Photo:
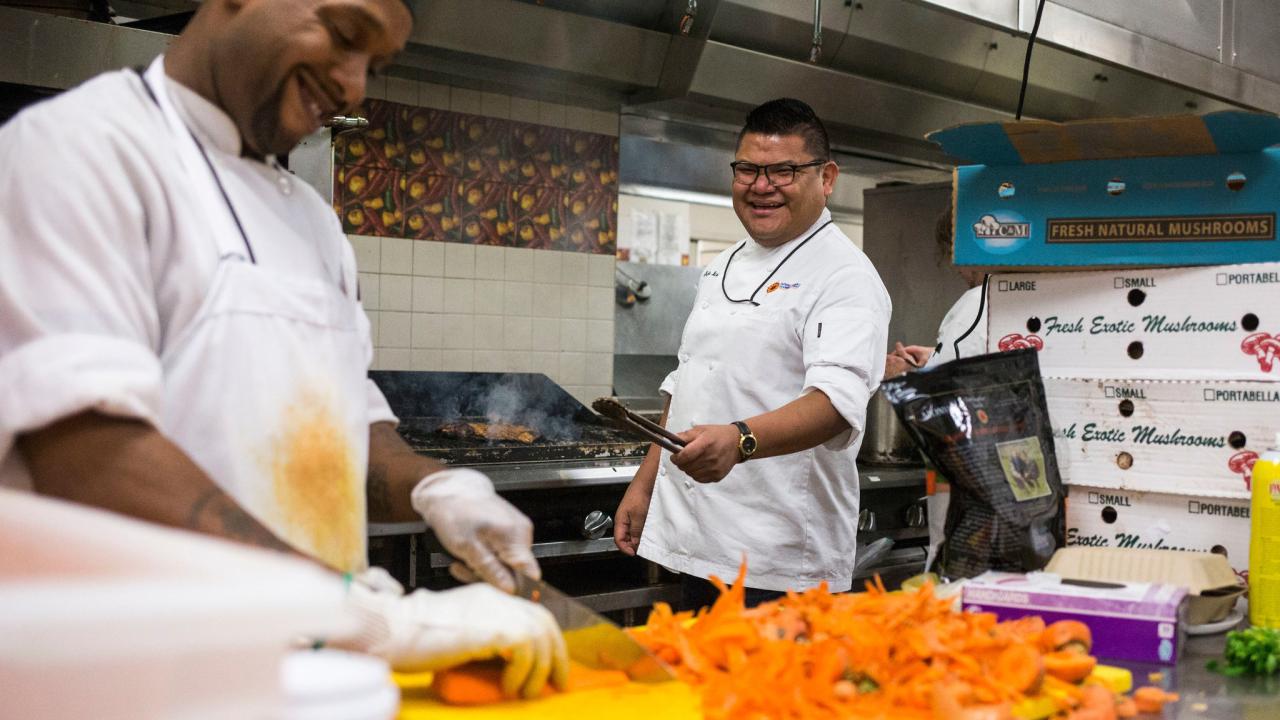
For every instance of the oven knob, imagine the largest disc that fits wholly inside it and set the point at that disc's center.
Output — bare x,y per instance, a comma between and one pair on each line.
866,520
917,516
596,524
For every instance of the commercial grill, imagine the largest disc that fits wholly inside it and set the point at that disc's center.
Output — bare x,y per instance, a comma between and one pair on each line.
565,431
568,478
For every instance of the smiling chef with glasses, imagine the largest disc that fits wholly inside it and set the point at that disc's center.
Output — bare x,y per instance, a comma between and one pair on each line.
782,351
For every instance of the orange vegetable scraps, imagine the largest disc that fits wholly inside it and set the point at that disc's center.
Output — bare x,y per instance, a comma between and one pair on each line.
859,656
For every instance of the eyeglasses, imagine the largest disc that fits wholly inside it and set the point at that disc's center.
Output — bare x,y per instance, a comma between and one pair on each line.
777,175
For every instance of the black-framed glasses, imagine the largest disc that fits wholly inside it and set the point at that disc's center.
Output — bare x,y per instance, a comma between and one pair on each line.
777,175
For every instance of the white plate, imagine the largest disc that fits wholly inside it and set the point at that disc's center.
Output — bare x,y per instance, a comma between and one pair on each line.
1232,619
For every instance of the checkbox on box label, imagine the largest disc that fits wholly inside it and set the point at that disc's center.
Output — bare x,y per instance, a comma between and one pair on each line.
1002,286
1222,278
1119,283
1210,395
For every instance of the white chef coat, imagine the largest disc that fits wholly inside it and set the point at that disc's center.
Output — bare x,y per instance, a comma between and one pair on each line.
956,323
111,252
821,324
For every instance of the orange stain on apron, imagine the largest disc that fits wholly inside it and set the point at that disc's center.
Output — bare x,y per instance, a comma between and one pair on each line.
319,499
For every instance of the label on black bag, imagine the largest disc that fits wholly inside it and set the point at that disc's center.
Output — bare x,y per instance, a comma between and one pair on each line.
1023,465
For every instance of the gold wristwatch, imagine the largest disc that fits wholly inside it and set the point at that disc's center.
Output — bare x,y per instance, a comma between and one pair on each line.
746,442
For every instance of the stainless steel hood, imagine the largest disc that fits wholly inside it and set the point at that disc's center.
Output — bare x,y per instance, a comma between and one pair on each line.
890,70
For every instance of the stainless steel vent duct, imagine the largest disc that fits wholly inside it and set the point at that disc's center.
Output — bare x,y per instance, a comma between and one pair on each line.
889,70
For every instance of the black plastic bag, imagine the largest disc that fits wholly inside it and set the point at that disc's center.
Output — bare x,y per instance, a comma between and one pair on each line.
984,424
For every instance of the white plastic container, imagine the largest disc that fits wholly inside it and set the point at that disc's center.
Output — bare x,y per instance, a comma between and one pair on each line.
108,618
336,685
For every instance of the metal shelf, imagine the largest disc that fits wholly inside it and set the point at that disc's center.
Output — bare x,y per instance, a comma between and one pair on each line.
879,477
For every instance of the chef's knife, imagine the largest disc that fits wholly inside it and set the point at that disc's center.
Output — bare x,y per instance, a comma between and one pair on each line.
593,640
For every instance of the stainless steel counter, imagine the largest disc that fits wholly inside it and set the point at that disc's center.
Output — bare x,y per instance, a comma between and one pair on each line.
1208,695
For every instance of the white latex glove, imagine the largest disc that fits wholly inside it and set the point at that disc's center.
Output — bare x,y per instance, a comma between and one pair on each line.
477,526
435,630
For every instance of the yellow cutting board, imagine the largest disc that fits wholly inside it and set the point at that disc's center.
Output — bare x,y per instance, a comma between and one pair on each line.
663,701
668,701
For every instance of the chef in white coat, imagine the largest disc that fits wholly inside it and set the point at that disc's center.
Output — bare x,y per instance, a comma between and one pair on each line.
779,356
963,332
181,338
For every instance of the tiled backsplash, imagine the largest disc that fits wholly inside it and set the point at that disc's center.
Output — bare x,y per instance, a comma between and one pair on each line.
447,306
448,303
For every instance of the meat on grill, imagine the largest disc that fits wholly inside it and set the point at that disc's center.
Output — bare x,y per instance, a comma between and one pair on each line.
489,431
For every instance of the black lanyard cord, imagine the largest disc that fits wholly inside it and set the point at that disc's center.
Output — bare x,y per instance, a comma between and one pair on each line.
216,180
752,299
982,306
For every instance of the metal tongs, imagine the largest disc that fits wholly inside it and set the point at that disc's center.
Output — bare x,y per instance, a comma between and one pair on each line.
616,411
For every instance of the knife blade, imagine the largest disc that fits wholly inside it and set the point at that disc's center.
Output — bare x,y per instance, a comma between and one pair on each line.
592,639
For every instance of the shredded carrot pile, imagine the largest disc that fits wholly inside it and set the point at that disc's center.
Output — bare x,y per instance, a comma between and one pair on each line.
858,656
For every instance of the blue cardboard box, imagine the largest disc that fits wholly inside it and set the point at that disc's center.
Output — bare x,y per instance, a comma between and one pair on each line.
1161,191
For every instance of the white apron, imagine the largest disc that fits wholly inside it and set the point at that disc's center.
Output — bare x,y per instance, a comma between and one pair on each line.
265,389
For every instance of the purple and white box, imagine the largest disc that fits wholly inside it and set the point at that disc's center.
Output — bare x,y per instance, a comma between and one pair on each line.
1130,621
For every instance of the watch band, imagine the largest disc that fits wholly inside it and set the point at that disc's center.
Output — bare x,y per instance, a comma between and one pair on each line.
747,442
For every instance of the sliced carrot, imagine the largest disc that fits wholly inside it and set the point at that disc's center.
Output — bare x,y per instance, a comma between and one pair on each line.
873,654
582,677
1152,699
1067,634
1019,667
1069,665
1126,708
1099,700
480,683
476,683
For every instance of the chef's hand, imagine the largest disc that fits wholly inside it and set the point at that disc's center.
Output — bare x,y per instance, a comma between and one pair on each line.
628,521
710,452
477,526
915,355
895,366
436,630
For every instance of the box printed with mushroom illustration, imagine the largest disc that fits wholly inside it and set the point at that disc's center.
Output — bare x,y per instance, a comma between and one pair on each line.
1131,519
1183,438
430,174
1218,322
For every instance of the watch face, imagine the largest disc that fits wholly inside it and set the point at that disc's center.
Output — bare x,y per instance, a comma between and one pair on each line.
749,444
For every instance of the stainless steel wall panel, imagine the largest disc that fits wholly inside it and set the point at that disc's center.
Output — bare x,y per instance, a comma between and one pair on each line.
58,52
997,12
1257,37
1194,25
654,327
525,34
750,78
781,27
1070,29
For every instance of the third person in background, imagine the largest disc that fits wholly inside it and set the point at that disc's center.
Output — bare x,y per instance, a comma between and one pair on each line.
963,332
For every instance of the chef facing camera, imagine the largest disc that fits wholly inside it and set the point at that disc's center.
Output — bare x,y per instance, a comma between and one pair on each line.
182,340
783,349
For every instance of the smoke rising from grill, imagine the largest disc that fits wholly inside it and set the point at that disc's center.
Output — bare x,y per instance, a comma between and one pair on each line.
511,401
